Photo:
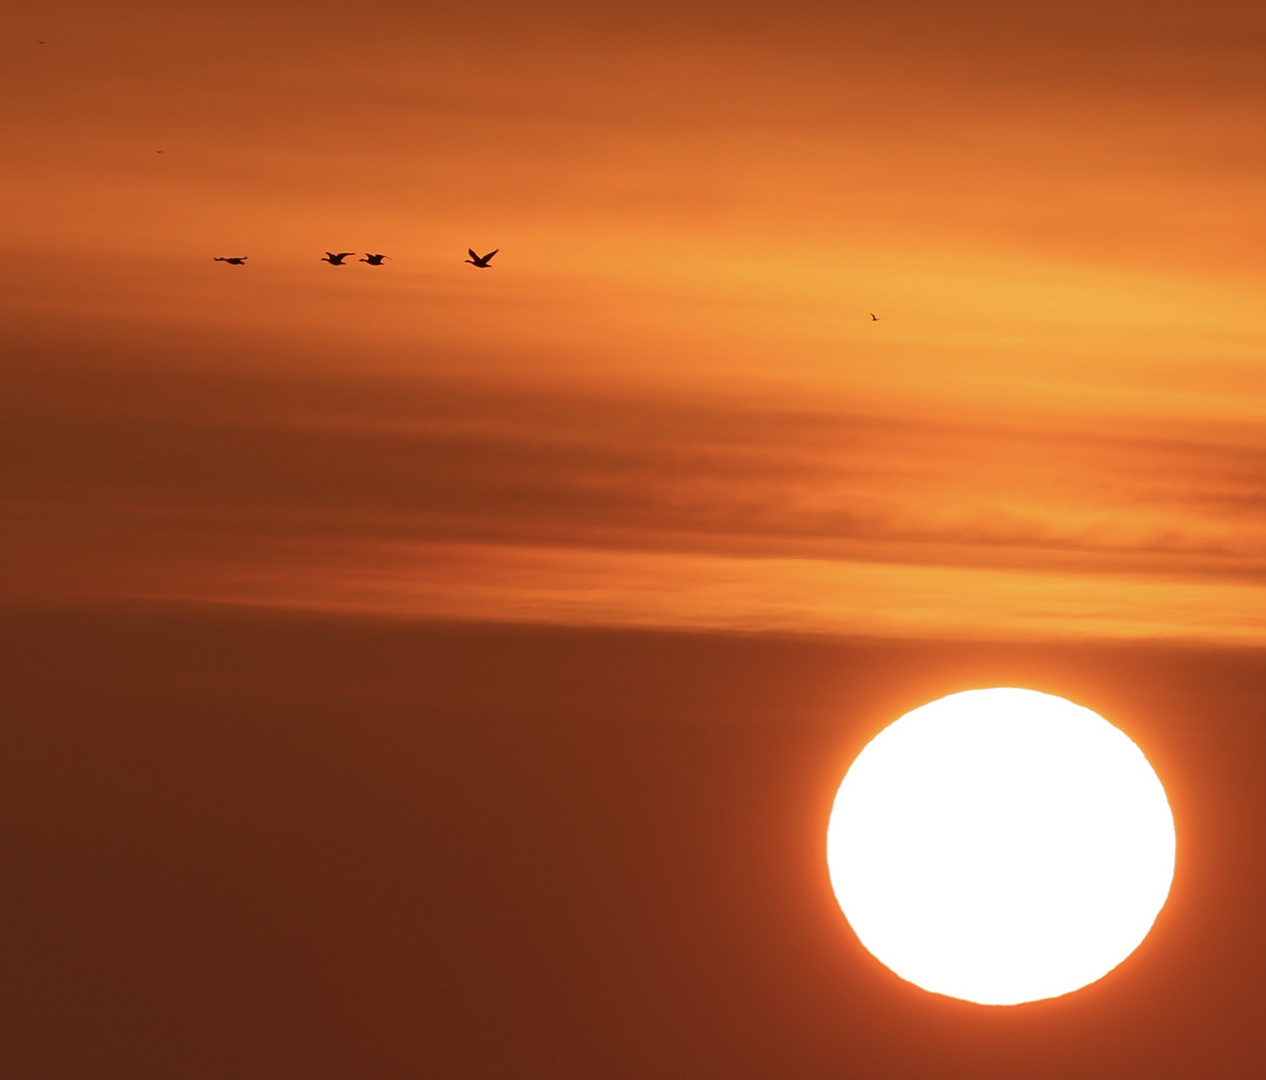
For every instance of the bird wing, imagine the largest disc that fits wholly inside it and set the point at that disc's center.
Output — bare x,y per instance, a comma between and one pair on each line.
471,253
491,254
345,254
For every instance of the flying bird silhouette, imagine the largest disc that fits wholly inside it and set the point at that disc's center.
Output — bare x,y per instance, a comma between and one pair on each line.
873,316
373,260
235,260
336,258
480,261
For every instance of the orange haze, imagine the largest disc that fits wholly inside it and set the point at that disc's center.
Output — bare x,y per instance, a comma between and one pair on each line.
427,671
666,402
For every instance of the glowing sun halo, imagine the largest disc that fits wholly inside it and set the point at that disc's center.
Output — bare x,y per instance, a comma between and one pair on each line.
1001,846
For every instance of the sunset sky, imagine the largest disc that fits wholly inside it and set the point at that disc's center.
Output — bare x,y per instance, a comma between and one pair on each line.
652,499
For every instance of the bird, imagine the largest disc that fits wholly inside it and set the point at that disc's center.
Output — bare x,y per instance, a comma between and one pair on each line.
336,259
374,260
873,316
480,261
235,260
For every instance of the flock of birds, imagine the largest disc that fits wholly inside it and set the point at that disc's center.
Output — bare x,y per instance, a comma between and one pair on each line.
337,258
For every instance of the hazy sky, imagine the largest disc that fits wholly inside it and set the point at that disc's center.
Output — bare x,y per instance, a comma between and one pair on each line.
666,404
430,671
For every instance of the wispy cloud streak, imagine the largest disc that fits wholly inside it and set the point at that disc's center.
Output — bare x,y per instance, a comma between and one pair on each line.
413,496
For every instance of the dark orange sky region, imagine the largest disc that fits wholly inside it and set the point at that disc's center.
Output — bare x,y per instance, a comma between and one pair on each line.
433,670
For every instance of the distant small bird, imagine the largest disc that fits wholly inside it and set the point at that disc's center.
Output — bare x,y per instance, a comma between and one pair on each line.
873,316
336,259
480,261
373,260
236,260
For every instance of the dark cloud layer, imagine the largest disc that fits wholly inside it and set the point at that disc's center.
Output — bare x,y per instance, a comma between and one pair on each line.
156,455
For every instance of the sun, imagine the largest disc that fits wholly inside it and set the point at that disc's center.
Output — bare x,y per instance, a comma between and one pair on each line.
1001,846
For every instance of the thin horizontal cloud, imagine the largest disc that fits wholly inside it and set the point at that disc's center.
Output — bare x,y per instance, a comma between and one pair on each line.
169,484
593,587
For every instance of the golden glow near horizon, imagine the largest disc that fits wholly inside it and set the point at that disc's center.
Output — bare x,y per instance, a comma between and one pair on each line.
1001,846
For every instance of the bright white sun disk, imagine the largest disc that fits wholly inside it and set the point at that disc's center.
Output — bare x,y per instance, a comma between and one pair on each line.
1001,846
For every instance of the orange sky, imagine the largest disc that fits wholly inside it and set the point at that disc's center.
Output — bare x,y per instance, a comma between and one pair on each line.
373,701
666,403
